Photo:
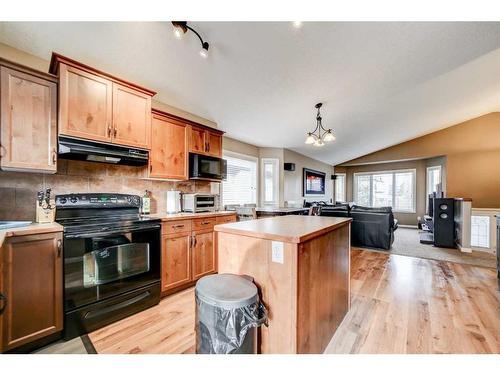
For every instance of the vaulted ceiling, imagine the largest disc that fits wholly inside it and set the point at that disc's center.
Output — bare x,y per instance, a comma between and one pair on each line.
381,83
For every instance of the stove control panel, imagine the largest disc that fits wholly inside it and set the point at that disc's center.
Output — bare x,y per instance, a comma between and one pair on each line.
97,200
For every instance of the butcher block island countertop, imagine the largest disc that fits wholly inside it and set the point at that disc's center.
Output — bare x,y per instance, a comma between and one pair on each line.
301,265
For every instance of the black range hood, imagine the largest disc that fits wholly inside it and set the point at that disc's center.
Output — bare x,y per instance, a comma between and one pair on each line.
78,149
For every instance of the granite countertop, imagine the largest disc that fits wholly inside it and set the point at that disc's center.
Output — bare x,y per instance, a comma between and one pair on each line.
34,228
291,228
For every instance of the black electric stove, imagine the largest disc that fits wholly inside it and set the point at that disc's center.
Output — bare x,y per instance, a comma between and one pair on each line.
111,259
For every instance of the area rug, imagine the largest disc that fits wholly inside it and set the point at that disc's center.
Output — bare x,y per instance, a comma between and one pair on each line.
407,243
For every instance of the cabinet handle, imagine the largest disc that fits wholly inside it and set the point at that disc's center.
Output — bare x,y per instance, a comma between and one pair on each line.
4,303
114,131
150,168
205,222
109,130
59,248
194,240
54,156
178,226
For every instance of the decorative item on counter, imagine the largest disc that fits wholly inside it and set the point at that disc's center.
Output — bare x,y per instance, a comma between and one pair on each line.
146,203
45,207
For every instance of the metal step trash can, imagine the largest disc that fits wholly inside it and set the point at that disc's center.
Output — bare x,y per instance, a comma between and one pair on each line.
228,312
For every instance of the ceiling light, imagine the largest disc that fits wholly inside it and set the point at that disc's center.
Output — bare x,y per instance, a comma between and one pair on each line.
297,24
310,139
204,50
319,135
181,27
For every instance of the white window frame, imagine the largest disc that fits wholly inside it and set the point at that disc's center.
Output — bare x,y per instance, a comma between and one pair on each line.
345,187
250,158
433,168
413,171
276,181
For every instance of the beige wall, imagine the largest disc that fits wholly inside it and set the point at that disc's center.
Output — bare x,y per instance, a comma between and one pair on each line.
293,190
420,167
233,145
472,151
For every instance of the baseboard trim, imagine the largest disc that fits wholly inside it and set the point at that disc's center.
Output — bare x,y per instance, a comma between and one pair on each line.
407,226
464,249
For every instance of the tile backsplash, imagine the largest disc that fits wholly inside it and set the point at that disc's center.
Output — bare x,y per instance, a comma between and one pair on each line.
18,190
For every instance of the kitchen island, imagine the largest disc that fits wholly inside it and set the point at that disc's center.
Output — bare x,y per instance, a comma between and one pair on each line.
301,266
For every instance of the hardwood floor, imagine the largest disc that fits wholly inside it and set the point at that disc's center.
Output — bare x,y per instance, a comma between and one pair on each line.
399,305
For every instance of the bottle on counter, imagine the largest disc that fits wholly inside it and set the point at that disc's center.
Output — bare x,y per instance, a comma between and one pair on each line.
146,203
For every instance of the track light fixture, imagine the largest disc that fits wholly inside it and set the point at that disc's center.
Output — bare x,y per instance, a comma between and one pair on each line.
181,27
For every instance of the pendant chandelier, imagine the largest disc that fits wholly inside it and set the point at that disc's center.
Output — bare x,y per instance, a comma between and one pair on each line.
319,136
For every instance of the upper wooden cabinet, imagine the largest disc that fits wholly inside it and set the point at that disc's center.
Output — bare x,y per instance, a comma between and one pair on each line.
85,104
32,288
205,141
168,156
131,117
97,106
28,120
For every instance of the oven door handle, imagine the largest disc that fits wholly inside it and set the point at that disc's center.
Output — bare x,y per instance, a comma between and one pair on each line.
104,232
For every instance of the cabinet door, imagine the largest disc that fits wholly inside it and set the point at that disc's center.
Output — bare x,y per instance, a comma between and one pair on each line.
176,261
33,286
28,138
131,117
214,144
197,140
204,254
85,104
168,156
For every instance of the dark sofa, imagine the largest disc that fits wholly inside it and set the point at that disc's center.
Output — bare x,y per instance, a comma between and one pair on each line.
370,227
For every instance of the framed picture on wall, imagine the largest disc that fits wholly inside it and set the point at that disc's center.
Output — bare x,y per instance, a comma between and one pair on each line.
313,182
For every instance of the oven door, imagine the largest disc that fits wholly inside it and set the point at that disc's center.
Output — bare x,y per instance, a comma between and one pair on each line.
202,167
108,262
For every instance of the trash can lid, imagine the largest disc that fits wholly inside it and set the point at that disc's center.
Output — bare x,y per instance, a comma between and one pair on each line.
226,290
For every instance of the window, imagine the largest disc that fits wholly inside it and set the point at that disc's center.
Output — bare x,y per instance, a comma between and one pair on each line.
340,187
395,189
270,181
480,231
433,179
241,184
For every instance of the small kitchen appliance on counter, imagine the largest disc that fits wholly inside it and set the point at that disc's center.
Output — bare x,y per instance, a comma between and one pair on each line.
111,259
199,203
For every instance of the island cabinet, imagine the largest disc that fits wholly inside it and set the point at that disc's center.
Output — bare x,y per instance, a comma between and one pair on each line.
205,141
188,249
31,288
28,119
301,266
97,106
168,156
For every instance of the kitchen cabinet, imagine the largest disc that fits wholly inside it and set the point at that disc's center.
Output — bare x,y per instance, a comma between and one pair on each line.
189,250
205,141
100,107
203,253
28,120
168,156
176,260
32,286
131,117
85,104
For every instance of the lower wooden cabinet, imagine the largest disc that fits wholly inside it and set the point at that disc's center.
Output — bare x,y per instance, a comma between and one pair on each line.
189,250
203,253
31,283
176,260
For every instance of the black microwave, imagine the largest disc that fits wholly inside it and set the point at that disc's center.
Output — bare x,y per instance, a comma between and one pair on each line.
203,167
